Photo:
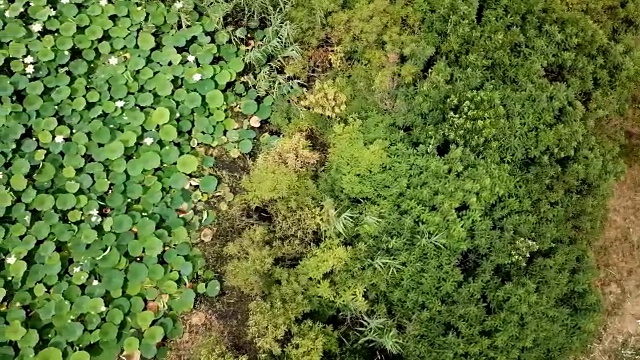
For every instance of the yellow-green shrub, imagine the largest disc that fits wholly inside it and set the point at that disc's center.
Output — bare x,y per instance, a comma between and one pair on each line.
351,163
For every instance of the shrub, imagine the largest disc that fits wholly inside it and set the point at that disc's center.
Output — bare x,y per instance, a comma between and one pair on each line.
352,162
485,171
494,186
280,183
462,198
105,107
325,99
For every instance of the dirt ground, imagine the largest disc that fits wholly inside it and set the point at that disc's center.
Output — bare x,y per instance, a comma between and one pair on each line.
617,255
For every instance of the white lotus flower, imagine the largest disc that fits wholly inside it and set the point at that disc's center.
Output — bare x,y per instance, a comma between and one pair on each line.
191,58
94,212
103,2
197,77
113,60
59,139
28,59
76,269
36,27
148,141
11,259
7,13
29,69
1,175
95,282
119,103
64,1
96,219
178,5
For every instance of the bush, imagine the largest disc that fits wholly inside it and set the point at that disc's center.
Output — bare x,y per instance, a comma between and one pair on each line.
496,183
486,173
105,109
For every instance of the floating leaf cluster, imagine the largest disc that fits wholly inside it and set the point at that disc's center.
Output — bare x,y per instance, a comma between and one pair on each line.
104,109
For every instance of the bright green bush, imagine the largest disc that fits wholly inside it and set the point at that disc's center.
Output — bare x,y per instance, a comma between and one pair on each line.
105,108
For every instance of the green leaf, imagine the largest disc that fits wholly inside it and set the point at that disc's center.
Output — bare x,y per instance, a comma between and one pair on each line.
18,268
223,77
168,133
208,184
135,248
160,116
43,202
122,223
18,182
80,355
215,99
30,340
145,227
49,354
15,331
153,246
71,331
131,345
236,64
148,350
187,163
114,150
32,102
137,272
245,146
154,334
213,288
264,111
201,288
65,201
150,160
146,41
5,198
248,107
145,319
193,100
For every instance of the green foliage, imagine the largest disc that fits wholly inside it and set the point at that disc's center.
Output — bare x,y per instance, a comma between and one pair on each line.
352,162
213,349
270,47
311,341
493,182
251,261
277,262
470,136
280,181
101,119
298,290
325,99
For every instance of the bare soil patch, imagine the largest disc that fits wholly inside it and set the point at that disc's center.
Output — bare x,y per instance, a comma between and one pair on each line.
617,256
